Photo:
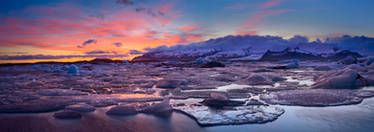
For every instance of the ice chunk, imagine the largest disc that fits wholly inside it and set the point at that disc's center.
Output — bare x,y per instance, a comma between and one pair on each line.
342,79
122,110
67,115
73,69
164,108
219,100
206,116
258,79
81,107
125,62
60,92
323,68
170,83
314,97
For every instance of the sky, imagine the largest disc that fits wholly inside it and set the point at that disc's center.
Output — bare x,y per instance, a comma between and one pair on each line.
67,29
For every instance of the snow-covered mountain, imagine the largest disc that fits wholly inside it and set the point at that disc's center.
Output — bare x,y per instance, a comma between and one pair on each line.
245,48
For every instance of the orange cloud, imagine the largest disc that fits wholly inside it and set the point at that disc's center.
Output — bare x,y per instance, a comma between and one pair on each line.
135,30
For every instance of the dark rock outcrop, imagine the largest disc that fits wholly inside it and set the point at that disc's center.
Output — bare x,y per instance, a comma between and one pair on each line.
288,55
213,64
344,54
348,60
292,54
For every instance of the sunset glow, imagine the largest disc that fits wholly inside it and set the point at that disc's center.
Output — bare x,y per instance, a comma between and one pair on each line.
116,28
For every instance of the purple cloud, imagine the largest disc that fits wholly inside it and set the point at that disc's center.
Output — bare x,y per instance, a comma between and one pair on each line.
135,52
149,11
118,44
88,42
98,52
125,2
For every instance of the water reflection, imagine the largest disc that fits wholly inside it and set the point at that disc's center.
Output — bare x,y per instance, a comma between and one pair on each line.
307,119
98,121
313,119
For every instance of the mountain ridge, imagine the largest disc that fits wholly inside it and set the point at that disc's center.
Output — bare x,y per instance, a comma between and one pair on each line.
254,47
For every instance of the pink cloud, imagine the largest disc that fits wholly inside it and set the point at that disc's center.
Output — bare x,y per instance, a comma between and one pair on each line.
257,19
265,5
188,28
248,33
54,29
271,3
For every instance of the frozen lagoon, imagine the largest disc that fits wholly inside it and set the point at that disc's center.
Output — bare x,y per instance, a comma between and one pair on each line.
103,85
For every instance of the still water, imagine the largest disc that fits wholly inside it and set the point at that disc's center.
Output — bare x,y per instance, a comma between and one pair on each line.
352,118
